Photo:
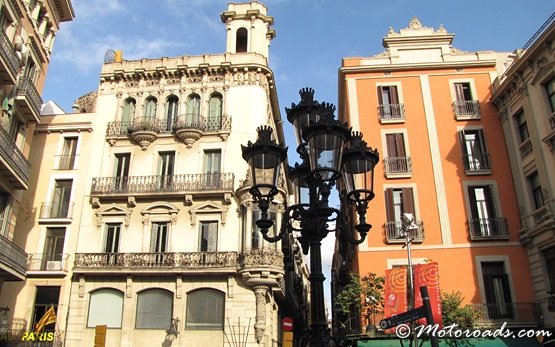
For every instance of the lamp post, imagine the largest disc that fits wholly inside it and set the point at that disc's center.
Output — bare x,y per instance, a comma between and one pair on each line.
329,152
407,219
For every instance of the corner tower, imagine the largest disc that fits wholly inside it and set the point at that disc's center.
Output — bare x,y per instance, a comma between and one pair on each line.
249,28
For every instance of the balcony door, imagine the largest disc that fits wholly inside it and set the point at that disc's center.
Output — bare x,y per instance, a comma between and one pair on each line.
111,244
398,201
396,161
166,161
159,240
67,159
482,211
121,171
208,236
212,168
53,248
389,102
60,199
497,290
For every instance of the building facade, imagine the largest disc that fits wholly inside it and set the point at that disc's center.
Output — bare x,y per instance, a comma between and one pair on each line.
425,105
525,96
27,33
149,226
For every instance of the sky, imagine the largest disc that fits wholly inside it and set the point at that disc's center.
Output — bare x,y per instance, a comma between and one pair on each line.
312,38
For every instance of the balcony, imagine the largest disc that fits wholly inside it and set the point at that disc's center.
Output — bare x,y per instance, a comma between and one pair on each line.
525,149
56,210
13,261
477,164
468,109
488,229
397,166
9,60
514,314
391,113
165,186
187,128
44,263
14,167
148,263
28,100
395,234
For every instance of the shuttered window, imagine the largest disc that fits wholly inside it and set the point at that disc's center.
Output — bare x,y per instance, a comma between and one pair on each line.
105,308
154,309
205,310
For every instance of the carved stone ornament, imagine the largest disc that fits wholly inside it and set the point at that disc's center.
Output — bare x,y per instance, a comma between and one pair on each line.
206,209
415,24
144,138
188,136
262,257
113,210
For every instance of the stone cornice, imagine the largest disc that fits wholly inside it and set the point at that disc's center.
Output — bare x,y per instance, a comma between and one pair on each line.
65,127
415,66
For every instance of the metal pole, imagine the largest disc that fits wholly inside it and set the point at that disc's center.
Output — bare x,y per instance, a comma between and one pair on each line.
318,326
411,285
428,312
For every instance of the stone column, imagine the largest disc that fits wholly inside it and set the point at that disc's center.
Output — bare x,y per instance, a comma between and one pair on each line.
260,324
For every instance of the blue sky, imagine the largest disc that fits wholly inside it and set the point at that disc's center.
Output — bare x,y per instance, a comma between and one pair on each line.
312,37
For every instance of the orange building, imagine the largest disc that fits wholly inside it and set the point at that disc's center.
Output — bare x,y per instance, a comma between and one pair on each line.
425,105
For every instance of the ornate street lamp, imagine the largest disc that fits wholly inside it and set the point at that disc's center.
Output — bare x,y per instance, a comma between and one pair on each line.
329,152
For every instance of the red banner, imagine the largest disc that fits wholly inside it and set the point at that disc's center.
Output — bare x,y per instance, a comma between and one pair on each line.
395,293
428,275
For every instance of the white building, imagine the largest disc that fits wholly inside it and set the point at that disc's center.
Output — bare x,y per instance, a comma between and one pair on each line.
161,231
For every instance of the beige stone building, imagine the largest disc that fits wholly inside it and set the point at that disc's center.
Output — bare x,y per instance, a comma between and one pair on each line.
27,32
525,96
142,220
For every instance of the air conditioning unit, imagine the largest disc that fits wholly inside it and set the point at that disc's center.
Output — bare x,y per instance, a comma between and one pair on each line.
53,265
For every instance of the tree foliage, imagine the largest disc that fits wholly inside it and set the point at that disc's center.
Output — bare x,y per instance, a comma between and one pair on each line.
366,294
453,313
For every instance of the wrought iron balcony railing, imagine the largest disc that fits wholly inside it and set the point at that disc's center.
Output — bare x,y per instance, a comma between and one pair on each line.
204,124
31,100
394,232
488,228
9,57
17,166
476,162
56,209
42,262
197,261
467,108
13,256
65,162
515,314
391,111
397,165
144,124
162,183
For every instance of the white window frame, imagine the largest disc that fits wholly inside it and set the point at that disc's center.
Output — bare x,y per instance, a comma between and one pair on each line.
474,92
60,149
398,85
383,133
479,259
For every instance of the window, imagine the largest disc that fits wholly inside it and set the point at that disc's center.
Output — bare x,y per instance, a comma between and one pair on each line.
215,112
241,40
399,201
6,222
105,308
121,171
69,150
205,310
112,237
128,110
389,106
522,127
53,249
397,160
209,236
256,235
484,222
549,257
45,297
192,114
475,155
60,203
154,309
497,290
212,168
150,107
536,190
550,90
172,109
159,237
166,162
465,103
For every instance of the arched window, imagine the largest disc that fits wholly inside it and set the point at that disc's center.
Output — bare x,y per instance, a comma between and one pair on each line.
154,309
205,310
172,108
105,308
241,40
128,110
150,107
192,113
215,112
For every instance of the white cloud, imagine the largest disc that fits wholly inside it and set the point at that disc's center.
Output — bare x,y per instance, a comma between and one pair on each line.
97,8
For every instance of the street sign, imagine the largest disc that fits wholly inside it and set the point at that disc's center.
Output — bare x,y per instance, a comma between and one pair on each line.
404,317
287,324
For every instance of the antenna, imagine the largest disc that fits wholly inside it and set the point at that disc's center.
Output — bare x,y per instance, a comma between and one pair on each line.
110,56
